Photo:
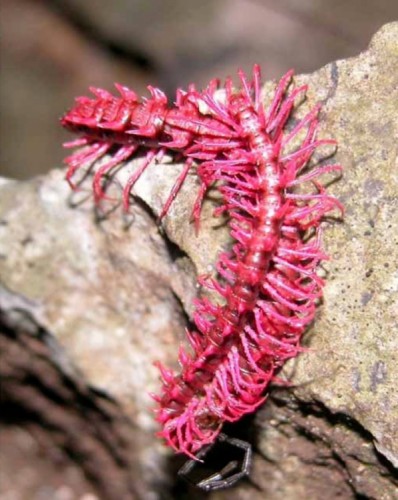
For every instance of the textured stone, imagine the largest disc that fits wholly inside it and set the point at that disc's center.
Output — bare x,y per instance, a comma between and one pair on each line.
107,291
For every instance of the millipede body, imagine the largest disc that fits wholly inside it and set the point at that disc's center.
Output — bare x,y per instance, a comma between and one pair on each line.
275,201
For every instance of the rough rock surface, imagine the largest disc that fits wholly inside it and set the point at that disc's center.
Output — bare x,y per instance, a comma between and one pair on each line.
89,301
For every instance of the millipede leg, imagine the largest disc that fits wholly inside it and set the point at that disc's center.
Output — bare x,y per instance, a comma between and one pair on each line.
229,474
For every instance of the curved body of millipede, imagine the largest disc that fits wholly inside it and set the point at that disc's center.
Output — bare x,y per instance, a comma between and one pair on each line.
267,284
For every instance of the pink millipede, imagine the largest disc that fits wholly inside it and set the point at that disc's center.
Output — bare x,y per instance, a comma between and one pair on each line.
267,283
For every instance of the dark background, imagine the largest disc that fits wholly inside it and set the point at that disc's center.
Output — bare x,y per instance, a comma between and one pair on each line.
52,50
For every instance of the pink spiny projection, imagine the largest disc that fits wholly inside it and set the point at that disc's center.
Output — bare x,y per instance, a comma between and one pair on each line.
275,202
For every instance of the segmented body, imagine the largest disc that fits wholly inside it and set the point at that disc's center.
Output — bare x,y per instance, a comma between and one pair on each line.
268,282
124,124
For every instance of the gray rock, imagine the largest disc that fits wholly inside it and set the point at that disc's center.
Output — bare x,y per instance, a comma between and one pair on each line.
113,297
